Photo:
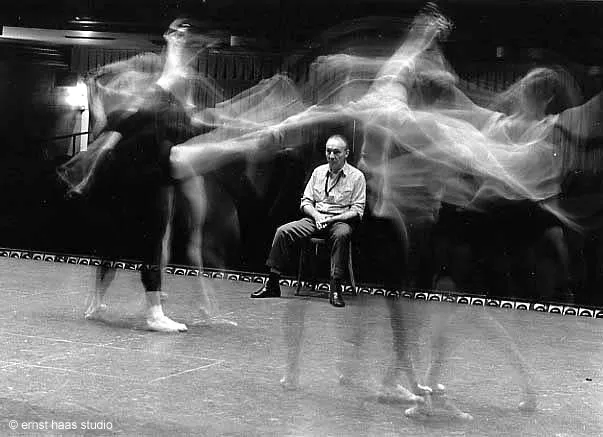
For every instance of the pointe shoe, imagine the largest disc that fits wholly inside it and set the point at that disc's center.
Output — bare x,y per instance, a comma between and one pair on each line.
165,324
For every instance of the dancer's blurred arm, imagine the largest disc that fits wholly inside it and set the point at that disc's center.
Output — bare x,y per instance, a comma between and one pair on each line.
459,105
422,34
79,178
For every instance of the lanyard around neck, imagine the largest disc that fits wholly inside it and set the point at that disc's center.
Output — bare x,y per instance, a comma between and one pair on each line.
327,191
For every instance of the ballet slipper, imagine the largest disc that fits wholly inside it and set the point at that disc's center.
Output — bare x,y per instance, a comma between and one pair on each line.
162,323
156,319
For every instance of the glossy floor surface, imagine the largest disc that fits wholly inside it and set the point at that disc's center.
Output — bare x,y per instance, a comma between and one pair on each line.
63,375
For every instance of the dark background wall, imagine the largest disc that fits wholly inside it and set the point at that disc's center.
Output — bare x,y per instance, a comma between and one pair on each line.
248,203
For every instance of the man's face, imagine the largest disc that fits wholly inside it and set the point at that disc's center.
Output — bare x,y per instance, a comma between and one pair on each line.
337,153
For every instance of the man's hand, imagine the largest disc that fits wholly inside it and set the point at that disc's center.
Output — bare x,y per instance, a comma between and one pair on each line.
321,220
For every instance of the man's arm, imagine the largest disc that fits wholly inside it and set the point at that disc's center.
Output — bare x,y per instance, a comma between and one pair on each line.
348,216
308,201
309,211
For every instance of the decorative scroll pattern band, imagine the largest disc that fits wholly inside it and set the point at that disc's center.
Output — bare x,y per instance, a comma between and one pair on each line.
436,296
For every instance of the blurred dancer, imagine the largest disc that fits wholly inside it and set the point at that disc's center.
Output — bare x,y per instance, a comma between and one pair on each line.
383,113
508,157
132,156
537,137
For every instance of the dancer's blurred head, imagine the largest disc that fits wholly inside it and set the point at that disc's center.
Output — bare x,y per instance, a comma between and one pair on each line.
186,39
537,89
192,34
540,92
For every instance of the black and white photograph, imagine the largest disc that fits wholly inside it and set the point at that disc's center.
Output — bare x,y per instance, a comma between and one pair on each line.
301,218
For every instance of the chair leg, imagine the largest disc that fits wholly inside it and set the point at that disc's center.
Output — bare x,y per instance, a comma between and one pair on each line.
299,270
314,267
351,271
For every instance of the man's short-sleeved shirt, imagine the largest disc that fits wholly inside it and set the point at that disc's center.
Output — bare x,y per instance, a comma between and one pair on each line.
335,194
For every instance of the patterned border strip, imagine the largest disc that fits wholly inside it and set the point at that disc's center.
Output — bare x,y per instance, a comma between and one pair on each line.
426,295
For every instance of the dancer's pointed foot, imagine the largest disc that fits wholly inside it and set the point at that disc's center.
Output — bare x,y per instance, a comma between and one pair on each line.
398,393
214,321
207,318
96,306
437,403
162,323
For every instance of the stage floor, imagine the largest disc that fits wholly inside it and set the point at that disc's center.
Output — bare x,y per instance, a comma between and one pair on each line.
60,371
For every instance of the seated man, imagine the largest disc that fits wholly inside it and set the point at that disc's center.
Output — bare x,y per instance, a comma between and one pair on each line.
333,201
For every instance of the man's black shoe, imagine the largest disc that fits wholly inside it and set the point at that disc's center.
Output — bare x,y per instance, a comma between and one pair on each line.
267,290
336,299
335,295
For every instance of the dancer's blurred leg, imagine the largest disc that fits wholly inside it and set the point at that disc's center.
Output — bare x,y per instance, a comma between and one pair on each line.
95,304
403,331
293,324
498,336
154,223
437,401
193,190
